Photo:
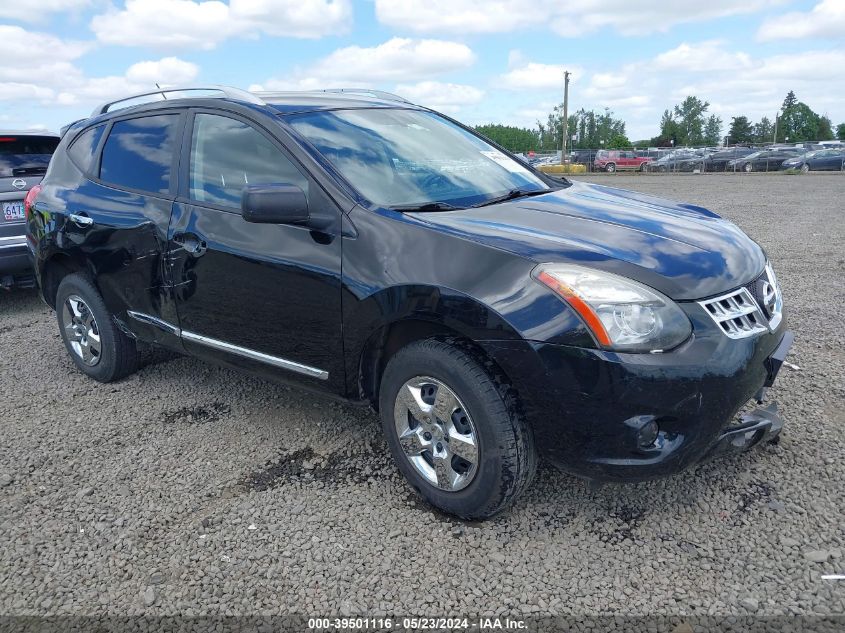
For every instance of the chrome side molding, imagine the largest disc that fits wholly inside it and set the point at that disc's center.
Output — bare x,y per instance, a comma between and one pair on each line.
151,320
223,346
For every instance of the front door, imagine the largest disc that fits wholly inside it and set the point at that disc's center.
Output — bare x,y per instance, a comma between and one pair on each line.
265,297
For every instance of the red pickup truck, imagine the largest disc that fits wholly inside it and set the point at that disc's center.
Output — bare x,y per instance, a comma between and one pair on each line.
611,160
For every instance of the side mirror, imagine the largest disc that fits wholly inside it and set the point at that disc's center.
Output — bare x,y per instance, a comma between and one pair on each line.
274,204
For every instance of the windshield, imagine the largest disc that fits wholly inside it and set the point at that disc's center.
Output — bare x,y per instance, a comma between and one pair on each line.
410,158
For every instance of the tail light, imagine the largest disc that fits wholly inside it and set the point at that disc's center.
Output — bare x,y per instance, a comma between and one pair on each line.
31,195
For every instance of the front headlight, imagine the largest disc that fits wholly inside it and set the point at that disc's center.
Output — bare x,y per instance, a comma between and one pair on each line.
622,314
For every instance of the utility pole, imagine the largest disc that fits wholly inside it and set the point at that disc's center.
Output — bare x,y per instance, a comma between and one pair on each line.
565,116
775,136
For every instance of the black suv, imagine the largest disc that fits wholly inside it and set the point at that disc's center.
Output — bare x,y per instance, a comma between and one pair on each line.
24,157
365,247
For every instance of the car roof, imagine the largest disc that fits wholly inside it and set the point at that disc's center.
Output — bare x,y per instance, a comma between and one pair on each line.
294,101
28,133
282,102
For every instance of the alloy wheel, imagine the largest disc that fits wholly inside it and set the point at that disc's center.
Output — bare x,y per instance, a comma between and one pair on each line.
81,330
436,433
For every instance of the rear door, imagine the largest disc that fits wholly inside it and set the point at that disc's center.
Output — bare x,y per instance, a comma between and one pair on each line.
264,297
115,218
828,160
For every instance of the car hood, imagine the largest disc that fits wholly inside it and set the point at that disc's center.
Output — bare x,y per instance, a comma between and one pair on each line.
685,251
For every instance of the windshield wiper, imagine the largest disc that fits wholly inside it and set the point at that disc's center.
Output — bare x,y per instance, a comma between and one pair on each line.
428,206
510,195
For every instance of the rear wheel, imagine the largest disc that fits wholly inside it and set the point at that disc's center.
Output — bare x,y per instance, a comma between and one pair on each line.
454,432
610,168
95,344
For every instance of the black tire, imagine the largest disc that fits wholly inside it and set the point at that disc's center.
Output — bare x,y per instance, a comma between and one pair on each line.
118,354
610,168
748,167
507,459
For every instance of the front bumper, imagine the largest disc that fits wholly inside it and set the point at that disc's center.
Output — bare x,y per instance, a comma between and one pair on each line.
588,408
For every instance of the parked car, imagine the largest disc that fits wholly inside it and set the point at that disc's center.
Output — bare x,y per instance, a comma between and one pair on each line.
613,160
694,160
818,160
669,162
584,157
367,248
24,157
718,161
764,160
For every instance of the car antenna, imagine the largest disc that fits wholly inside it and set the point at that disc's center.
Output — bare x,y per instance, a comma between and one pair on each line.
164,96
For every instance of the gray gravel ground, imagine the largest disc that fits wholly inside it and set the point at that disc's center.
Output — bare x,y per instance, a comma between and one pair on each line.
190,489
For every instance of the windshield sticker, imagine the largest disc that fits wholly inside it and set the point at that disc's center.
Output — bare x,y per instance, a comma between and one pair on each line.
506,162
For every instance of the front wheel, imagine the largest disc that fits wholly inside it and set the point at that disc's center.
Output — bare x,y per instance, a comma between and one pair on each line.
95,344
610,168
454,432
748,167
805,168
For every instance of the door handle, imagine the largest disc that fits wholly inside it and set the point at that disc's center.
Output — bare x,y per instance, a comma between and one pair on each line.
191,244
82,221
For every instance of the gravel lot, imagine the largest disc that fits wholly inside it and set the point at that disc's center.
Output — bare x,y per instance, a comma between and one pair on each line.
190,489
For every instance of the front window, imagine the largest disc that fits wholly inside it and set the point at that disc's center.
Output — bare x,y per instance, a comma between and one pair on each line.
410,158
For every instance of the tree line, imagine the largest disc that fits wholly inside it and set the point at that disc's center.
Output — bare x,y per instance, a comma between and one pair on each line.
686,124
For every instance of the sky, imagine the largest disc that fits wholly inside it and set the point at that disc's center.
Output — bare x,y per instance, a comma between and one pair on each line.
480,61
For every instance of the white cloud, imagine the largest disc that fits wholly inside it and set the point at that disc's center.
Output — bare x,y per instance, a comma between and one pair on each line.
397,60
204,24
139,77
446,97
736,83
35,10
826,20
703,56
47,73
170,70
569,19
524,74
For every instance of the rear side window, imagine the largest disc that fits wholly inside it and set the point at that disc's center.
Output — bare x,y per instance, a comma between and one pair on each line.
83,148
138,153
227,155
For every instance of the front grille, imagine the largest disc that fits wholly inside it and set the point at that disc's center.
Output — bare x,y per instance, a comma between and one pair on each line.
736,313
753,309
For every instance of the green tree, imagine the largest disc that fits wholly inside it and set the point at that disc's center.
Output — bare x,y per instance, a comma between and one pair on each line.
690,117
789,101
741,130
590,129
516,139
619,141
840,131
797,121
825,129
763,131
713,130
669,131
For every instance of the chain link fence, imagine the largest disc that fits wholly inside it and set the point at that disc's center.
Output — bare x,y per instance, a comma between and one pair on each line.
809,157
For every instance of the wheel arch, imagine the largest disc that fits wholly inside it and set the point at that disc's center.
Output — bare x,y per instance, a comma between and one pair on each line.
55,268
384,343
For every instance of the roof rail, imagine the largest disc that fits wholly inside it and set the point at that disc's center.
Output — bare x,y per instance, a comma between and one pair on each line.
226,91
380,94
